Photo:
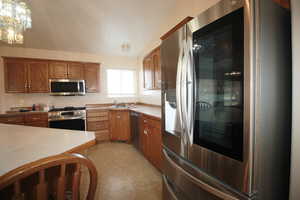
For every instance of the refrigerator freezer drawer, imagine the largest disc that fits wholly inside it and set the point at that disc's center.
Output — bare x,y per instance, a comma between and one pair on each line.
176,180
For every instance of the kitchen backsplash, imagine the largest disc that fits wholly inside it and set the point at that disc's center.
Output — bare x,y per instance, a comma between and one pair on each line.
24,100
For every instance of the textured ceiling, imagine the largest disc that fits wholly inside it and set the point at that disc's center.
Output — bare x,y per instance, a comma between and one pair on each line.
95,26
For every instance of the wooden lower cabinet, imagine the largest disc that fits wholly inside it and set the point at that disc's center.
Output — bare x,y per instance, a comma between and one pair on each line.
36,120
97,121
120,125
17,120
28,119
151,140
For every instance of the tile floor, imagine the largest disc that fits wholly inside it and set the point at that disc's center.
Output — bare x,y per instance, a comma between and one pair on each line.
124,174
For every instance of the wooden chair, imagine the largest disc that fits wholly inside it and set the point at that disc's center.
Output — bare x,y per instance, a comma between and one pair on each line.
49,179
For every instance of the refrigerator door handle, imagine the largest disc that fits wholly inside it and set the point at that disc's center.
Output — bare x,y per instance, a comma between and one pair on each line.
190,90
184,94
179,88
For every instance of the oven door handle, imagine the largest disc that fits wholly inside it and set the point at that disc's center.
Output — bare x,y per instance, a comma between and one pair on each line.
65,119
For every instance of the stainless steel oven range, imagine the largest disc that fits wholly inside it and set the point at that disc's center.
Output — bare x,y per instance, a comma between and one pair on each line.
226,104
73,118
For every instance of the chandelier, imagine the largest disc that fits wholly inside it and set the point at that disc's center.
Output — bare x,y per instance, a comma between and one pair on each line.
15,18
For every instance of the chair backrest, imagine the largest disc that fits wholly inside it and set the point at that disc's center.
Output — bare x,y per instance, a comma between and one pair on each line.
56,177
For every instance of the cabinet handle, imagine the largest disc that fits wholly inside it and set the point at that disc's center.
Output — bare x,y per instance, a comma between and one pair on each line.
118,116
145,132
35,118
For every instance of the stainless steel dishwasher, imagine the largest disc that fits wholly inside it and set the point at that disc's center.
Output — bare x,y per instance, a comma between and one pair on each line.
134,119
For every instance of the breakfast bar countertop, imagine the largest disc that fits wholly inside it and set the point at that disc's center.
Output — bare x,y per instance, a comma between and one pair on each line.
21,145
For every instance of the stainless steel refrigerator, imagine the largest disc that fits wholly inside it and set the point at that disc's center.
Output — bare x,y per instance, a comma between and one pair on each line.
226,102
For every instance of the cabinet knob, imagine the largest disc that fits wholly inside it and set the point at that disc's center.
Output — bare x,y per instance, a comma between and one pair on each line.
145,121
118,116
145,132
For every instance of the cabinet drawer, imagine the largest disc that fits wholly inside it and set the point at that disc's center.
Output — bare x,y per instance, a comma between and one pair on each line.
151,122
102,135
12,120
95,126
36,118
97,113
38,124
97,119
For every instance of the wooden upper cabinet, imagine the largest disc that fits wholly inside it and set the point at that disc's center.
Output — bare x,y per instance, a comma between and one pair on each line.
66,70
178,26
15,76
284,3
26,75
58,70
38,77
92,77
76,71
148,74
152,70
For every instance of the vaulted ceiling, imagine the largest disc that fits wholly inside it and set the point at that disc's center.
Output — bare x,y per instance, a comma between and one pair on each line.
95,26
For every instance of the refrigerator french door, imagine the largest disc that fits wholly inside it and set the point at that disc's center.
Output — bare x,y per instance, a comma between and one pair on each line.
206,98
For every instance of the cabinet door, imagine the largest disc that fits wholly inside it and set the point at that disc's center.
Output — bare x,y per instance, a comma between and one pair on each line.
76,71
156,147
124,126
148,73
38,81
92,77
284,3
114,125
58,70
17,120
157,69
15,76
145,142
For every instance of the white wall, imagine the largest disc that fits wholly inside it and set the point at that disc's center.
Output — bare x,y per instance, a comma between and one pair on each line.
295,168
182,9
13,100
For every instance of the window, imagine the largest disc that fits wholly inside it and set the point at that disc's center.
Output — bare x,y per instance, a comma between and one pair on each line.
121,82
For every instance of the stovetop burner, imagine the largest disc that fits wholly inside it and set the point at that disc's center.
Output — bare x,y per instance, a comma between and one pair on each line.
68,108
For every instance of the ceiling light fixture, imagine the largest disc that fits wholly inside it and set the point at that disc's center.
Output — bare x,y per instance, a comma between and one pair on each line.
125,47
15,18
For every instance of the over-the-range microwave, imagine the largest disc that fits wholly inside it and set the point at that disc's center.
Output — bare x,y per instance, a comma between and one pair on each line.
67,87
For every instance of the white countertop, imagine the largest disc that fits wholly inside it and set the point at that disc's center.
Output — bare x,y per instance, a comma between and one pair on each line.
148,110
20,145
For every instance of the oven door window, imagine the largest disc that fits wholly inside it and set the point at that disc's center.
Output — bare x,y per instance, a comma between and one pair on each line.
219,62
72,124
